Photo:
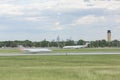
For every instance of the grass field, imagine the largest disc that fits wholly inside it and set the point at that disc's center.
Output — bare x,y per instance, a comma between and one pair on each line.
83,67
9,50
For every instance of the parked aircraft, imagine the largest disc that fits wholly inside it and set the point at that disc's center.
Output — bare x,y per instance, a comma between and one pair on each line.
35,50
76,46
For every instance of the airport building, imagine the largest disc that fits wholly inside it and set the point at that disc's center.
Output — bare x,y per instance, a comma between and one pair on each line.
109,35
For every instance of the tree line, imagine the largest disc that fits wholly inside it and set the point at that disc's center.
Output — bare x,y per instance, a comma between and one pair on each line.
60,44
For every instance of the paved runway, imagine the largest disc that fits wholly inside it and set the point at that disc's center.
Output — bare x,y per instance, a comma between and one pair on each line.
49,54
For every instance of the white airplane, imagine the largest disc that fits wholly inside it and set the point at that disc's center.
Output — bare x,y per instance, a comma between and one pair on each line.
76,46
35,50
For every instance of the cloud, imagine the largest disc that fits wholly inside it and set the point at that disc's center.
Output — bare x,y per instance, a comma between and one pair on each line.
90,19
16,7
35,19
117,19
9,9
57,5
6,1
57,26
63,5
57,23
106,4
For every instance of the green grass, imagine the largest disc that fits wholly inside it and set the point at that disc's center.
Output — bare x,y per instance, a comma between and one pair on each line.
14,50
83,67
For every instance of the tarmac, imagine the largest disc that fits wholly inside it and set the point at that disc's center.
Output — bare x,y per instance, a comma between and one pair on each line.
57,54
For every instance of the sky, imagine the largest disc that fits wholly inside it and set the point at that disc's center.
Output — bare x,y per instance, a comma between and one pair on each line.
37,20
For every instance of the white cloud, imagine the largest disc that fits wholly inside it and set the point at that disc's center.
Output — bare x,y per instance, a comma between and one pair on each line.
90,19
57,23
36,18
106,4
8,9
117,19
74,4
57,28
57,5
53,5
5,1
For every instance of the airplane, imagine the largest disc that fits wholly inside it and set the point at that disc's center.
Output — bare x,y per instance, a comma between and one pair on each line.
35,50
76,46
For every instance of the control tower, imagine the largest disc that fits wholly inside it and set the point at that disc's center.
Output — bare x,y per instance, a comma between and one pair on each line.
109,35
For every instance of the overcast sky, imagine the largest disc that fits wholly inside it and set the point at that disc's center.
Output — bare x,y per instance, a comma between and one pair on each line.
70,19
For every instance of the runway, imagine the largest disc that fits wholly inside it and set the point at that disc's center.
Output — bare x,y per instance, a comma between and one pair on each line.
57,54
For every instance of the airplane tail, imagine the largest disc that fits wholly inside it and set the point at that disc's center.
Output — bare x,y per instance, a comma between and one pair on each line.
86,45
21,48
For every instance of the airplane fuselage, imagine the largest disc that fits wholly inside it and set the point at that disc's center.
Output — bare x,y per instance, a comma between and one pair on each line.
36,50
76,46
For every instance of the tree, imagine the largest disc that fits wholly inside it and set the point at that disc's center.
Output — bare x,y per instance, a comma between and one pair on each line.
44,43
37,44
103,43
115,43
69,42
27,43
53,44
81,42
